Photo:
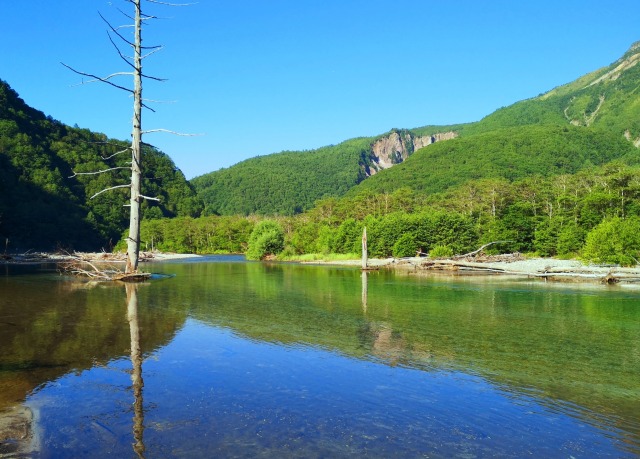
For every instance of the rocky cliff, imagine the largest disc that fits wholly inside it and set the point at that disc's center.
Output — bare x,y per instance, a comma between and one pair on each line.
397,146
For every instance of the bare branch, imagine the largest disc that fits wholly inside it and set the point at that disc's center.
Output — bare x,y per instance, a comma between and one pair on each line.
115,30
111,188
103,80
160,101
151,52
75,174
171,4
170,132
125,14
126,59
126,150
149,198
148,108
122,56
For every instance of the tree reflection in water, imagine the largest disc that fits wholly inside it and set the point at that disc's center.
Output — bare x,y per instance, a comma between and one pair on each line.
365,291
136,374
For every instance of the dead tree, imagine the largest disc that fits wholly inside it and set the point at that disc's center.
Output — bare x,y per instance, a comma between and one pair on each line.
133,240
135,62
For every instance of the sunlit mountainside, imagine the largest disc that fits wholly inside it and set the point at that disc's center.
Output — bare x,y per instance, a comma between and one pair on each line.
591,121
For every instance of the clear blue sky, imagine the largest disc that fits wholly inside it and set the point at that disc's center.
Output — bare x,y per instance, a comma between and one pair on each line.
262,76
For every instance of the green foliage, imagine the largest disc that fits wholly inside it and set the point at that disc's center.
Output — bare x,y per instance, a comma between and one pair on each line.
267,238
348,237
505,153
46,205
441,251
204,235
615,241
405,246
570,239
285,183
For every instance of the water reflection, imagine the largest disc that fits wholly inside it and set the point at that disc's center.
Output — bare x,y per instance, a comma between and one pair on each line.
54,328
365,290
245,360
136,374
568,346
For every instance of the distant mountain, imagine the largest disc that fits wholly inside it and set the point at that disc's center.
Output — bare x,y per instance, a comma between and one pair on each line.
44,204
591,121
291,182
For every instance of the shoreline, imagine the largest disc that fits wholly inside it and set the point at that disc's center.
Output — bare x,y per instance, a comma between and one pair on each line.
508,264
512,264
94,257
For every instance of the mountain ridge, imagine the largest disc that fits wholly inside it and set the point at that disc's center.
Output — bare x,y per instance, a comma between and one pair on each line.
601,100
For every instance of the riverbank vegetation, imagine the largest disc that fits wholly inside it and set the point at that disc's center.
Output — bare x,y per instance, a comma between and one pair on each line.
593,214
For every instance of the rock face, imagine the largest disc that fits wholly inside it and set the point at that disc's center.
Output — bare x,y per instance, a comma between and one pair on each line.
394,148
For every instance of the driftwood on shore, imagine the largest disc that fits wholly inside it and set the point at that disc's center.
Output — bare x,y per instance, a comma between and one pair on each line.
478,261
85,268
516,264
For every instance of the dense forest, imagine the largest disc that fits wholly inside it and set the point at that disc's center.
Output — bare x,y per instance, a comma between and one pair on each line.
565,215
46,201
286,183
290,182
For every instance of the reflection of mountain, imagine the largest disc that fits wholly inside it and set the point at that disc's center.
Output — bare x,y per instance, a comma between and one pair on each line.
572,350
52,326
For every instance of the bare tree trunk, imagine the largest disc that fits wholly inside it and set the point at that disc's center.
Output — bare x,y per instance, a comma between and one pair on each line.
133,243
365,253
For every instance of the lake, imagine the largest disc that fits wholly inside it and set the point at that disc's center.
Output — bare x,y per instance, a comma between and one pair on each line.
225,358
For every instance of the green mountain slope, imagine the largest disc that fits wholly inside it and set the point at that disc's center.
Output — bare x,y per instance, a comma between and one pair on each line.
590,121
607,98
43,204
291,182
511,153
283,183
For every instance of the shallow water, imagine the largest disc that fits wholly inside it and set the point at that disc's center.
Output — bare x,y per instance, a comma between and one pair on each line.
243,359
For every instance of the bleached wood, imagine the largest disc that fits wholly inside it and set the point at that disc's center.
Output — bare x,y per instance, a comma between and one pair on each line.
109,189
99,172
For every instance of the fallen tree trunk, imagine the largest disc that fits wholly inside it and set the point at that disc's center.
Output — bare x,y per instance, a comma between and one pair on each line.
610,276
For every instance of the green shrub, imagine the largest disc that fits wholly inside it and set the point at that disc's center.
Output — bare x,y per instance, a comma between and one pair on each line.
441,251
405,246
267,238
615,240
570,239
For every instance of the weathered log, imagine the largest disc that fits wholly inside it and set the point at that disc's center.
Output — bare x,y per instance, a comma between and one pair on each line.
475,252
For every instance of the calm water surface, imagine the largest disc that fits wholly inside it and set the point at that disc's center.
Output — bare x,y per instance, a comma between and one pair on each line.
225,358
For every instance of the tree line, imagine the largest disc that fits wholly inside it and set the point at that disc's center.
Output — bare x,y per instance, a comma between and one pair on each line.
568,215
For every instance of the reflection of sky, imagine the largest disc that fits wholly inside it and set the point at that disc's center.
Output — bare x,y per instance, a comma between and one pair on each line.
210,392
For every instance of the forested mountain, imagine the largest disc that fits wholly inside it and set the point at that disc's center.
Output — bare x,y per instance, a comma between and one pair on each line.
588,122
510,153
283,183
44,204
291,182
